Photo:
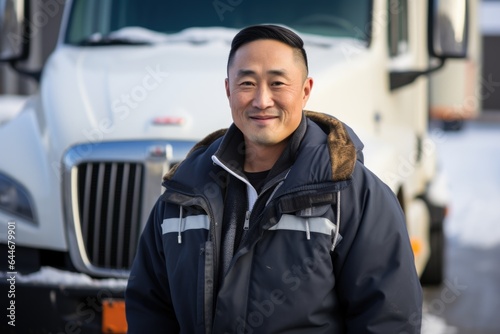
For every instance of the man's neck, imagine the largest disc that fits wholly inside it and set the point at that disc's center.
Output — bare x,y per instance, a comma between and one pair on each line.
260,158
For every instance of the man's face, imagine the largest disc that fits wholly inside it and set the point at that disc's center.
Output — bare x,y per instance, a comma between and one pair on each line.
267,90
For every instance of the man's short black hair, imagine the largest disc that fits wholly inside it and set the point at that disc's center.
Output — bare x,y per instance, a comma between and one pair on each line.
267,31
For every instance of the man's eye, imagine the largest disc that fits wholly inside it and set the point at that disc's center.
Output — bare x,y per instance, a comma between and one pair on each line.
246,83
278,83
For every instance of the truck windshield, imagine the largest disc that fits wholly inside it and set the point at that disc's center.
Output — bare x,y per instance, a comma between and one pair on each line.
93,21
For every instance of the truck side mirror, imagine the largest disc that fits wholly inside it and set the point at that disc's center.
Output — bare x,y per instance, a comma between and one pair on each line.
13,30
448,28
448,35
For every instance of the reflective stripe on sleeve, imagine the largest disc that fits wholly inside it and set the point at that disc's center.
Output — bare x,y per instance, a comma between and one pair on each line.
189,223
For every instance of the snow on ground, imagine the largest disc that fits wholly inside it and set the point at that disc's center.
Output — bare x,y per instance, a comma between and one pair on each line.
432,324
471,160
53,276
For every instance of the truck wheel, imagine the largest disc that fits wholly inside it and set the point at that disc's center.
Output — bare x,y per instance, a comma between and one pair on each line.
434,270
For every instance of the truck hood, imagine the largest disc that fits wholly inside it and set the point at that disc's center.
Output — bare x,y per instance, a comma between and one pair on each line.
171,90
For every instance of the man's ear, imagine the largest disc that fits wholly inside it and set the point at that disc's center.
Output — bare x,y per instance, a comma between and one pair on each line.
226,83
308,84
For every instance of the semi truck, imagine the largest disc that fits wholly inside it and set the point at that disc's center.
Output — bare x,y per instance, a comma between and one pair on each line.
132,85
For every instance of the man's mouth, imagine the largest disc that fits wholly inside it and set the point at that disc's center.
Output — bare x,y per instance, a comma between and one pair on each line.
263,117
263,120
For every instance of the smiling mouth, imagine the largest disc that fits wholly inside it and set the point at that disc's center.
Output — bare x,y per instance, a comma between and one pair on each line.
263,121
263,118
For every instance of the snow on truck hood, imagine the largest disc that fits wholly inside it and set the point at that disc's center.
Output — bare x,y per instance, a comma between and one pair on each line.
168,90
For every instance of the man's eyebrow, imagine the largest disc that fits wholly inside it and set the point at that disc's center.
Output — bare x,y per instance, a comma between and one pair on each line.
278,72
244,73
247,72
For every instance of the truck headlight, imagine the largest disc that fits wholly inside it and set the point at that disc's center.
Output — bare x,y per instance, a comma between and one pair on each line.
15,199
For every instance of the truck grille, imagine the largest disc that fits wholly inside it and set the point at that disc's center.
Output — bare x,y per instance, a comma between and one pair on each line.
109,210
109,189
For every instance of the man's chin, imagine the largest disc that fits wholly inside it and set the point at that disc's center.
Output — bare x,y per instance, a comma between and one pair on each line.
268,139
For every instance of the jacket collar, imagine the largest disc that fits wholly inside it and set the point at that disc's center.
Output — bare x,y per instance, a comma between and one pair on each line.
343,150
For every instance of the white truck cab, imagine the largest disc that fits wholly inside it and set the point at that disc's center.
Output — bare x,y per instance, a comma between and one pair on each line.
132,85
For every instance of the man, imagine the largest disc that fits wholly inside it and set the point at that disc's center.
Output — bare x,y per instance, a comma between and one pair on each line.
275,225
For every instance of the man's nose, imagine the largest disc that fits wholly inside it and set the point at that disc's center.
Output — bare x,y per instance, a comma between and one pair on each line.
263,98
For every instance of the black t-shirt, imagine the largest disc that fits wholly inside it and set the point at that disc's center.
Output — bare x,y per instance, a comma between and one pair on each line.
257,179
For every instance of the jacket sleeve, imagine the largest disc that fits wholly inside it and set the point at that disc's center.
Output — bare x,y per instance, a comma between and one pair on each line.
147,297
377,283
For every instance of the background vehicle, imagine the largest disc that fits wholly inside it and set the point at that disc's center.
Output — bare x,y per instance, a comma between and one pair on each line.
456,90
131,86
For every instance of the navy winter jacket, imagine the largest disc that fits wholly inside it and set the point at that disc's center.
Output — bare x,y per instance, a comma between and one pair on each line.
324,247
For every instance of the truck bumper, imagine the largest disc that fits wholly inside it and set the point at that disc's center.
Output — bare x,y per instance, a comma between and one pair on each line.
62,309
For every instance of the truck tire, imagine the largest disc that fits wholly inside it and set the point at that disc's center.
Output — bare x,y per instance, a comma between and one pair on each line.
434,270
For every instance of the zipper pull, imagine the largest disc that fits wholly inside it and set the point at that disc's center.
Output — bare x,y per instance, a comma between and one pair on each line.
247,221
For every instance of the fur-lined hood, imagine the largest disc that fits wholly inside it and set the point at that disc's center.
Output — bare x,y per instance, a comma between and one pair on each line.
344,146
